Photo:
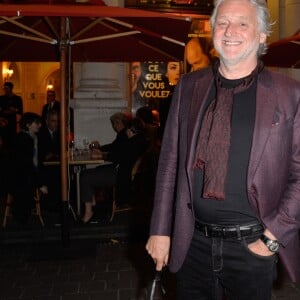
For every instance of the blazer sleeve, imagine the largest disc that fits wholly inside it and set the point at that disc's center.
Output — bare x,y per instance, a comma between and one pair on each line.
163,207
284,221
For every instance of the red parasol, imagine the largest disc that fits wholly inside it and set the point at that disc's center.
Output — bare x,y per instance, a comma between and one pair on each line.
67,33
284,53
93,33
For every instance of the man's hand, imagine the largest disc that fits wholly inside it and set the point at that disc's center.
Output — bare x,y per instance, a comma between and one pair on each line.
258,247
158,247
96,154
95,145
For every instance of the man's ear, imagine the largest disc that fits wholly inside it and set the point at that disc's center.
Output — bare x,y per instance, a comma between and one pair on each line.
262,38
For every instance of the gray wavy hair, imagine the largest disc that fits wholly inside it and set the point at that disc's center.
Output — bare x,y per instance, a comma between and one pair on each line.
263,17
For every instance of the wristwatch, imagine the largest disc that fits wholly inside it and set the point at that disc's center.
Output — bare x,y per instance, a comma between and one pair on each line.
273,245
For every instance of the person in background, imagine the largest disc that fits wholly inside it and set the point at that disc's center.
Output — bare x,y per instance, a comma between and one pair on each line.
118,173
151,129
149,161
52,104
26,172
227,201
49,150
11,110
49,143
119,122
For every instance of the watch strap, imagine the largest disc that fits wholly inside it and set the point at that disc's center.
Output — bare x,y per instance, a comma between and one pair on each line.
273,245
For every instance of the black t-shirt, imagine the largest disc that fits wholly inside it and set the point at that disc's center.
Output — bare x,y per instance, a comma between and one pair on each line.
235,208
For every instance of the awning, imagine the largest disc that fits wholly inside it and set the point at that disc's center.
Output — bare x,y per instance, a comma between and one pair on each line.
284,53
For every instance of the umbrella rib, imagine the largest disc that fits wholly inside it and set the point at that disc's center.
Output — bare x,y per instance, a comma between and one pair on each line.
26,37
50,24
27,28
146,31
88,27
173,41
12,18
125,24
159,51
104,37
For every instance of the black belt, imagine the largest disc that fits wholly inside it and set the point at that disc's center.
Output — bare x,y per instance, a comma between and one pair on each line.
211,230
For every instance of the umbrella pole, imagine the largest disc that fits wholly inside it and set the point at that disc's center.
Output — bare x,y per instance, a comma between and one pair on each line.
65,226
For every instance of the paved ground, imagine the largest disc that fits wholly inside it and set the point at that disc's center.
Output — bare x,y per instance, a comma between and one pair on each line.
86,270
102,261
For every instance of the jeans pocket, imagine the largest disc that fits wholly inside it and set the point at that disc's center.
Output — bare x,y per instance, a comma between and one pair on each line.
247,241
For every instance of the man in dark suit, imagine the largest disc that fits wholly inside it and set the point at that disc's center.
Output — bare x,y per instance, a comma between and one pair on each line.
48,150
11,110
52,104
227,201
49,137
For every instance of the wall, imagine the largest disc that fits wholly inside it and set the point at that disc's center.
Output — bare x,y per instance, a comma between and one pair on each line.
100,90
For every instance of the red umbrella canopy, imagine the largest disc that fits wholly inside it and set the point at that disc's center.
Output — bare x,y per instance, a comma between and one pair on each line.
94,33
284,53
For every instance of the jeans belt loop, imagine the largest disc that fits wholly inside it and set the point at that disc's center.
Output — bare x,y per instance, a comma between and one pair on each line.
224,231
205,231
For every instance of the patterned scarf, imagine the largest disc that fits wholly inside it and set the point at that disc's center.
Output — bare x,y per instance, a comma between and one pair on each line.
214,139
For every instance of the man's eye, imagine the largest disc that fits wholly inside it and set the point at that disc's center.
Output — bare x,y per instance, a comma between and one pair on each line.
243,25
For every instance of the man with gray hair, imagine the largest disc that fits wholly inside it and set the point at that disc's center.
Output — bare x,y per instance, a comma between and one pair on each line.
227,200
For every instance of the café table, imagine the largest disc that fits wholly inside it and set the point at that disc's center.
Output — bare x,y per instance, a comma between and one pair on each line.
79,162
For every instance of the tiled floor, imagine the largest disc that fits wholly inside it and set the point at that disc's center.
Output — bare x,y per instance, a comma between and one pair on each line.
103,261
87,269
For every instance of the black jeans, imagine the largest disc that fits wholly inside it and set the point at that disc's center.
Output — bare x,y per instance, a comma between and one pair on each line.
217,265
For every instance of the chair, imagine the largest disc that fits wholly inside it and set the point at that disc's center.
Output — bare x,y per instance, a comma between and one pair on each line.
115,209
36,211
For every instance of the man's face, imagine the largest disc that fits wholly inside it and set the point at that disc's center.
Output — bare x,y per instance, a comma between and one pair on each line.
117,125
50,96
52,122
7,90
236,34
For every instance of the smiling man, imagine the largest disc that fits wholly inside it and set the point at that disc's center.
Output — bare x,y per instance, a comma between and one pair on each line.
227,200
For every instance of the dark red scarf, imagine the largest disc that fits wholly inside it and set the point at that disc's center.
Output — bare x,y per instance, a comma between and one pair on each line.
214,139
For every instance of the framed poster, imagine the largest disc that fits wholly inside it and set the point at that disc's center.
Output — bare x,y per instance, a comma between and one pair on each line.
153,82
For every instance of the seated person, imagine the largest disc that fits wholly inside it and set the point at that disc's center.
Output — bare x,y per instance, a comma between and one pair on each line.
149,163
118,173
26,173
49,150
49,138
145,113
119,122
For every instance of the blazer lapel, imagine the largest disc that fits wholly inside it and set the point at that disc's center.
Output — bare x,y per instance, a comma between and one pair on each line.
264,120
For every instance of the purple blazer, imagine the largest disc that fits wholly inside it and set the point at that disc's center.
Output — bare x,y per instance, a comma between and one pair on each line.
273,182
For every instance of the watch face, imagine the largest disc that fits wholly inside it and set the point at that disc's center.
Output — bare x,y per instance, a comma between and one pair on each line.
273,245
